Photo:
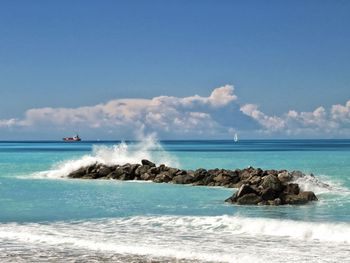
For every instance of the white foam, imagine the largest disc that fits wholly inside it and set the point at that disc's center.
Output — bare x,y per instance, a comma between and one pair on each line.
149,148
203,238
321,185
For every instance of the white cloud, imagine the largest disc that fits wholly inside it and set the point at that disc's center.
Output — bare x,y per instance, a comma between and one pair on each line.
341,113
8,123
335,121
164,113
270,123
217,115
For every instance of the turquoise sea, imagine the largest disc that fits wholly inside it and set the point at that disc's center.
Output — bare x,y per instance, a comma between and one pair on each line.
45,217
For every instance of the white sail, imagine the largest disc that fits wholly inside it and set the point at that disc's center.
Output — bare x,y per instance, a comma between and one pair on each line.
235,138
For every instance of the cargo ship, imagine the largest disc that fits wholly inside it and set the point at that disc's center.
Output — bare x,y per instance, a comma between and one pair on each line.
76,138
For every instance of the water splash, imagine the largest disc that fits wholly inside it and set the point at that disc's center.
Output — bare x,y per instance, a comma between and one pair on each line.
149,148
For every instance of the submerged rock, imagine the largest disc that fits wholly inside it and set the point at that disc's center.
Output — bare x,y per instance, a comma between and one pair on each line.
256,186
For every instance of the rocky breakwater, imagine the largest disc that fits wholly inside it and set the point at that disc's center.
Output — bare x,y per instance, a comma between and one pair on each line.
255,186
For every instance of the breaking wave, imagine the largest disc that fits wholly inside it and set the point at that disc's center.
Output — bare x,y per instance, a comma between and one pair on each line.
149,148
204,238
318,186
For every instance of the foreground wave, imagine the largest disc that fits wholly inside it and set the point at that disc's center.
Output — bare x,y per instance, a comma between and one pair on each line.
198,238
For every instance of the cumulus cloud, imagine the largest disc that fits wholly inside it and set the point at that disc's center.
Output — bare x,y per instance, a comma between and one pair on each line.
164,113
217,115
271,123
335,121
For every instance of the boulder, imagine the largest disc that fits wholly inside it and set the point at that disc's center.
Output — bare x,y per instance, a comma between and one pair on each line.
104,171
301,198
271,181
284,177
268,194
78,173
310,196
147,177
147,162
243,190
249,199
141,170
291,189
200,174
182,179
163,177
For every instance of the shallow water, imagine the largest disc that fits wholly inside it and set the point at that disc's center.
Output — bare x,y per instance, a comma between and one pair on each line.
47,217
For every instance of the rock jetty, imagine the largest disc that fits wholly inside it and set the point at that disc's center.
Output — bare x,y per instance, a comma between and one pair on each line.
255,186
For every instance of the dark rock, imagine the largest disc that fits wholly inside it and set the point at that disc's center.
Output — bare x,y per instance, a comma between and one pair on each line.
271,181
163,177
270,172
310,196
301,198
147,162
181,172
141,170
147,177
249,199
89,168
284,177
133,167
243,190
255,180
276,202
162,167
104,171
182,179
78,173
293,199
292,189
268,194
208,180
153,170
200,174
118,172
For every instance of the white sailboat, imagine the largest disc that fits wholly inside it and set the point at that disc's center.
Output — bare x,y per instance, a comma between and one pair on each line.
235,138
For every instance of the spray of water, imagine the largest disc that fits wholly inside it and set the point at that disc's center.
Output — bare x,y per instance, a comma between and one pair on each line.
147,148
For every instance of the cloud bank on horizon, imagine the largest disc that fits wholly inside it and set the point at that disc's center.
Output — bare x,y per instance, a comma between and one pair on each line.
218,115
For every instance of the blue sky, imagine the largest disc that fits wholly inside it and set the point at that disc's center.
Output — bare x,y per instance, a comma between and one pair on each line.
285,59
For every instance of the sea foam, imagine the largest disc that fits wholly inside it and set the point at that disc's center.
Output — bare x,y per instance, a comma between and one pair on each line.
204,238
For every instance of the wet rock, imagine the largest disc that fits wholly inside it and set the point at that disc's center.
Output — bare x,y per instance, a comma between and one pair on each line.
147,162
200,174
243,190
301,198
141,170
249,199
271,181
182,179
163,177
78,173
147,177
310,196
292,189
104,171
268,194
284,177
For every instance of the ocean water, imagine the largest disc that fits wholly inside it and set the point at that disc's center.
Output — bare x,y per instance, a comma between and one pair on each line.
45,217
